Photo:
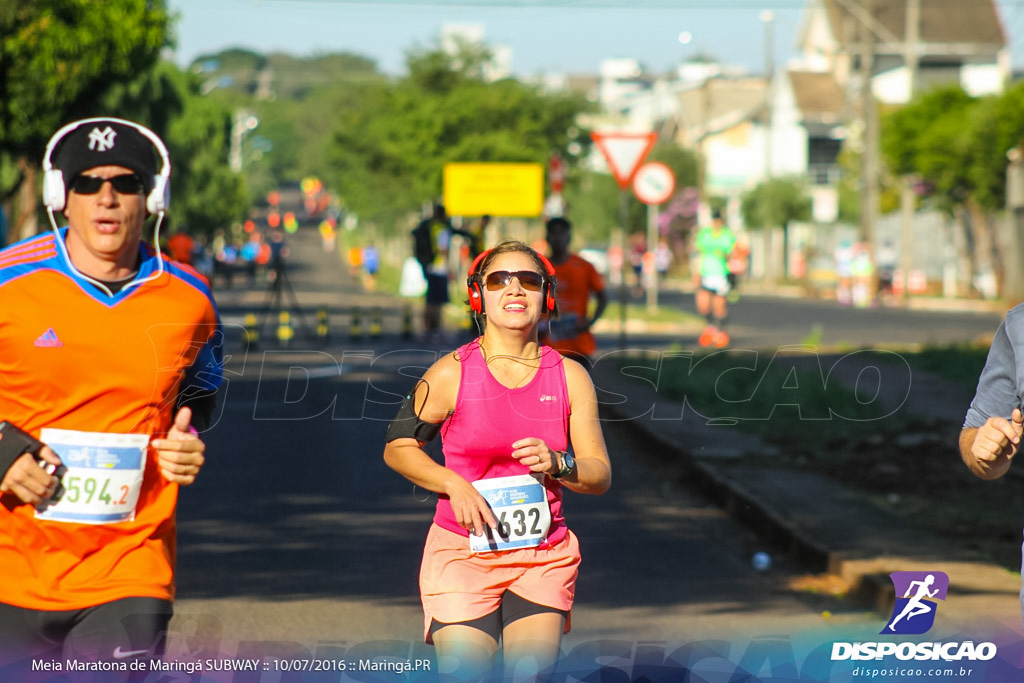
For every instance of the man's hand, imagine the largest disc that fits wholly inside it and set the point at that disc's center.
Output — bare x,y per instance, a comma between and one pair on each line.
28,481
180,454
995,444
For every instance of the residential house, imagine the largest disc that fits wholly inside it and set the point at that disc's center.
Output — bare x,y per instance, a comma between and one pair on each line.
845,41
955,42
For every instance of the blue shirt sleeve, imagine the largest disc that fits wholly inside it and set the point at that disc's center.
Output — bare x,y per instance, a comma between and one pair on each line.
207,371
998,391
199,386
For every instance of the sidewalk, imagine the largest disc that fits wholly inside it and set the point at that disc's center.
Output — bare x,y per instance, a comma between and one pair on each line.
913,302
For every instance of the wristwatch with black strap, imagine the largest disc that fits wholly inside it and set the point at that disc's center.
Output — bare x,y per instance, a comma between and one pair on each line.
568,461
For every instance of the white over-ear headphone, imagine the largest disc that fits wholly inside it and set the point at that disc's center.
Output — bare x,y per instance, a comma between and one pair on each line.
55,189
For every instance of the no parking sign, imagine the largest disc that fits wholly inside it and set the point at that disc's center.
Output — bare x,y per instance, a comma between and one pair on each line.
654,183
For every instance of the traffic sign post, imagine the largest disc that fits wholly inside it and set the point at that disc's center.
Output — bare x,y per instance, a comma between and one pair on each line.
556,173
554,205
653,184
624,153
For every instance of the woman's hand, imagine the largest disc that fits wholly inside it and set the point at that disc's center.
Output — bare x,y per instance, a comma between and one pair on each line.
472,512
536,455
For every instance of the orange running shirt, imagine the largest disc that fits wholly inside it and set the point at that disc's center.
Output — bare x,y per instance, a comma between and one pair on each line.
73,357
577,280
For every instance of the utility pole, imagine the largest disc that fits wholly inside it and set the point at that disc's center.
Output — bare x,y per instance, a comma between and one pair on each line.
1014,284
769,99
869,113
871,31
705,131
908,198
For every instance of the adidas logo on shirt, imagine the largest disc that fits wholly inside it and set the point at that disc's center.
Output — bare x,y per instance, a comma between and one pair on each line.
49,340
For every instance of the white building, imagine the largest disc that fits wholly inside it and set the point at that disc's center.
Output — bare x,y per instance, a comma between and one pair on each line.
456,35
955,42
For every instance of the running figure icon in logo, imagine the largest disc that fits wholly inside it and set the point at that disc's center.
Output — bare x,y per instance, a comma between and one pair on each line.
916,593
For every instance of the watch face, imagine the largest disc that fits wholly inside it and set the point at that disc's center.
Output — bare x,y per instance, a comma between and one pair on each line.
570,461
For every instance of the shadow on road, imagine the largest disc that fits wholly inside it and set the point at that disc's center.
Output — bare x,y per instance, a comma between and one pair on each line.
303,507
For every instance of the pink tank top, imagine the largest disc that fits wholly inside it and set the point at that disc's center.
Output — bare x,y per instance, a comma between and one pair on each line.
477,437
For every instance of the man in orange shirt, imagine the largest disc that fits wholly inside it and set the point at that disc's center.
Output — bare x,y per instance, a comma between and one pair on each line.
578,282
111,356
181,245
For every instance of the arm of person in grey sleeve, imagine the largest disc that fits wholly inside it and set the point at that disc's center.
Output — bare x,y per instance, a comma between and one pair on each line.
994,424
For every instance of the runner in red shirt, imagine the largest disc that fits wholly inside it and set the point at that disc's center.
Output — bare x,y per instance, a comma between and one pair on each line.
181,246
578,283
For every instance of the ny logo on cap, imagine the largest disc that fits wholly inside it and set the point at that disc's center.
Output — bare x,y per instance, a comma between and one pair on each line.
102,140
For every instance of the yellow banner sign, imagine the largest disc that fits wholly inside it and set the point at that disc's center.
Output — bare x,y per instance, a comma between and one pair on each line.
497,189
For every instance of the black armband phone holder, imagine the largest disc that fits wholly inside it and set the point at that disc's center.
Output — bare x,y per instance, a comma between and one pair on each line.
407,424
14,444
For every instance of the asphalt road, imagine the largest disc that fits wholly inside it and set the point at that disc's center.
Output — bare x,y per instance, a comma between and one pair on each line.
764,321
298,539
298,532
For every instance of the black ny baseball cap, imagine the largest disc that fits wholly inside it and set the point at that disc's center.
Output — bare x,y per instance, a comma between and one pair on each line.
106,142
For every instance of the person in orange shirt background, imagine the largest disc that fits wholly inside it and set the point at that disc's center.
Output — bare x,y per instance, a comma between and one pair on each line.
578,283
181,245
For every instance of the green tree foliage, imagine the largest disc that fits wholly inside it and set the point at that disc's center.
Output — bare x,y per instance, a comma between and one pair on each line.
301,129
958,146
205,193
996,125
931,138
58,59
592,201
280,76
390,146
777,202
235,69
683,162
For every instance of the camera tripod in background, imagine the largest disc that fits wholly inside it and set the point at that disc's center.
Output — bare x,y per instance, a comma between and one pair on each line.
275,305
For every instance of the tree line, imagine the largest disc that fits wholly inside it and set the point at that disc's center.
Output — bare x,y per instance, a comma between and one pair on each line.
954,149
378,141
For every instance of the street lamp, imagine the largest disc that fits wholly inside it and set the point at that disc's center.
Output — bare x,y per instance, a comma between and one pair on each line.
243,123
769,74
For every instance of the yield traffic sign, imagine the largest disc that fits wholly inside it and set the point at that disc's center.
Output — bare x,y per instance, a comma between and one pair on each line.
624,152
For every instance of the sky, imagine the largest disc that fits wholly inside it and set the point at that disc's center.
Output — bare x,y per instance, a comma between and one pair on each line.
561,36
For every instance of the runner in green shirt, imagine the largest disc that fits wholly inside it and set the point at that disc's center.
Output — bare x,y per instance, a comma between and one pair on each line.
714,243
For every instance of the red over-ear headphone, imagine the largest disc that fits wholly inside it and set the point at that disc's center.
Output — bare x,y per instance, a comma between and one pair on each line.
476,298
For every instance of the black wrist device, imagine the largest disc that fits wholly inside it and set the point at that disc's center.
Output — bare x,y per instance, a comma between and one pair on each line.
14,443
568,465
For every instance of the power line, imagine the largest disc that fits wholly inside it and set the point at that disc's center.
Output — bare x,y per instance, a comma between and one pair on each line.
604,4
559,4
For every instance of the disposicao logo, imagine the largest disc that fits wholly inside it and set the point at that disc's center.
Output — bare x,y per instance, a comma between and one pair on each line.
914,614
916,595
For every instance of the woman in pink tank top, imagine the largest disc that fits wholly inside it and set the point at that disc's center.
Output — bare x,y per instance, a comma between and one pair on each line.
518,423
